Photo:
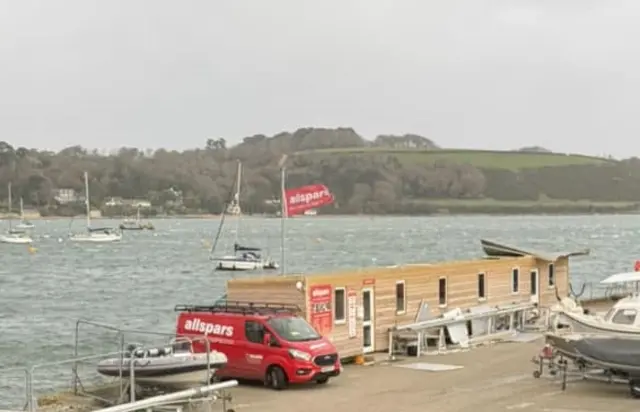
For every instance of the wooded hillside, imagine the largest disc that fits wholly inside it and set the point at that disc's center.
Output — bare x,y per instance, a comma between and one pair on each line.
392,174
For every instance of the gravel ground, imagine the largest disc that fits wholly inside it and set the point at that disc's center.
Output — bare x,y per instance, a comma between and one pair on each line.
493,379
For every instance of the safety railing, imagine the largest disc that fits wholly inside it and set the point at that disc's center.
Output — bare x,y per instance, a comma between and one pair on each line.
591,291
485,325
125,382
10,378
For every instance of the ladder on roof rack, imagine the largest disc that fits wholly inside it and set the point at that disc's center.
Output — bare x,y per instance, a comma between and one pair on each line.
244,307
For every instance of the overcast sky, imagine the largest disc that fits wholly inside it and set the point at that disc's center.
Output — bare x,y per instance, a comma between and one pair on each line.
563,74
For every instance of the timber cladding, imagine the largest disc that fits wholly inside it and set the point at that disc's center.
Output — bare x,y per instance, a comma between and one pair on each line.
334,303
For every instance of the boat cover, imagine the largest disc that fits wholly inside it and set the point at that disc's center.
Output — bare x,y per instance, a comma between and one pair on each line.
240,248
624,352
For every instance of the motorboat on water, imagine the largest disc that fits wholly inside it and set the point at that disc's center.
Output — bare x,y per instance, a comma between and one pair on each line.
621,319
94,235
174,367
245,258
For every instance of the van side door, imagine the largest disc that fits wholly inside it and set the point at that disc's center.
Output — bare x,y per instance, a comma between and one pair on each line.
256,350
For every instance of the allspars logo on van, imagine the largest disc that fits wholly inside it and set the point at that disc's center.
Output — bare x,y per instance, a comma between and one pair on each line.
208,328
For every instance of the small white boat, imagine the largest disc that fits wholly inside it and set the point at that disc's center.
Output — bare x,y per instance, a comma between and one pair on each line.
16,239
622,319
94,235
14,235
246,258
175,367
24,224
97,235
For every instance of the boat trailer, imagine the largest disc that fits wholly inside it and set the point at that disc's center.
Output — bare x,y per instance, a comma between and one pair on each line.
566,367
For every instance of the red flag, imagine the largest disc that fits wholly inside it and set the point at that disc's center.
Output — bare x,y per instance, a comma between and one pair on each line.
301,199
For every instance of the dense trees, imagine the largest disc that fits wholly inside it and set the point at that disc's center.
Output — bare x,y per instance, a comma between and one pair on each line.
389,175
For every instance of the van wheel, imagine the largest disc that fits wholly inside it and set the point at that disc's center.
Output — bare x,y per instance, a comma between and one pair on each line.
322,381
276,378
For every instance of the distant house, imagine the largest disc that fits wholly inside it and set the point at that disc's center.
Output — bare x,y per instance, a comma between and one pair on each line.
66,196
135,203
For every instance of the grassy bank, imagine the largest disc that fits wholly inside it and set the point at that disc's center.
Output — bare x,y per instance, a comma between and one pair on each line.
491,206
490,159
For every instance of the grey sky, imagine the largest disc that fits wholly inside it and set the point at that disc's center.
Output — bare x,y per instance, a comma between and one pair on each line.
476,73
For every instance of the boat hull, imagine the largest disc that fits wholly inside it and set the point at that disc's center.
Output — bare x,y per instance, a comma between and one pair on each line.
579,323
96,238
171,372
231,264
16,240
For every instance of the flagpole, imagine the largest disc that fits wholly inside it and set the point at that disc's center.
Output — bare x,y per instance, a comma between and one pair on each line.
283,209
283,214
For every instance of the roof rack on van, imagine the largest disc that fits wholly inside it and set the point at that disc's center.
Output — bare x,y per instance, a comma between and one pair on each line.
237,306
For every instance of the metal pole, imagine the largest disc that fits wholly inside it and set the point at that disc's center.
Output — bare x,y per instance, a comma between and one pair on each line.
163,399
283,216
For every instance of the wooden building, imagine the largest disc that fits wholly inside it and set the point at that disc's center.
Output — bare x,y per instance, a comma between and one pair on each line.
355,309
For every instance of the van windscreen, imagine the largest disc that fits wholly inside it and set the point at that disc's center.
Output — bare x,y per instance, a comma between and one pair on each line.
293,329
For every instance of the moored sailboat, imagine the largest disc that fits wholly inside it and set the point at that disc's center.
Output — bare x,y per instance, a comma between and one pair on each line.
129,224
94,235
243,257
24,224
13,235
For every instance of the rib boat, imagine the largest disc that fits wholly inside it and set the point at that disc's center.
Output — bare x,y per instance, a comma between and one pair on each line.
174,367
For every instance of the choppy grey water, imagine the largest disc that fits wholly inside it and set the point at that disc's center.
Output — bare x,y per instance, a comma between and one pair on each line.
136,283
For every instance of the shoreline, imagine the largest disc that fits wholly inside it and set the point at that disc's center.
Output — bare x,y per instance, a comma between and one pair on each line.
497,213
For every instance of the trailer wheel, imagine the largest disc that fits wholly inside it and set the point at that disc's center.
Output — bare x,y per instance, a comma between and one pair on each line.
634,388
536,374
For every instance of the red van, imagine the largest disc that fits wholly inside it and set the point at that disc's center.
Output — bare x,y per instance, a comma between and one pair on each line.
262,341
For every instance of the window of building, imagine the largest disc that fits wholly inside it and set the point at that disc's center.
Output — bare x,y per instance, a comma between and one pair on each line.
515,280
254,331
401,302
442,291
482,291
552,275
340,305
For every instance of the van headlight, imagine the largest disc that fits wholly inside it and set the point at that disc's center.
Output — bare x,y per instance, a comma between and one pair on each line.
298,354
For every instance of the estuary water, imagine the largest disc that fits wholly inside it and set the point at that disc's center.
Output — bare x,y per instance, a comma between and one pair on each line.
136,283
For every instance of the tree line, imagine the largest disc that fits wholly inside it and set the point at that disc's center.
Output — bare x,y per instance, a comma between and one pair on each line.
367,181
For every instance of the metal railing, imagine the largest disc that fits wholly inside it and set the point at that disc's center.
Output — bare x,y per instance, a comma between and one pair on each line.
126,382
499,321
595,290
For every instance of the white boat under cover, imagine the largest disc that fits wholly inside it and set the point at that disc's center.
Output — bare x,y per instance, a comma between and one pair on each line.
165,367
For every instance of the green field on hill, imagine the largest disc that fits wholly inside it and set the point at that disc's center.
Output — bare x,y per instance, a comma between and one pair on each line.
478,158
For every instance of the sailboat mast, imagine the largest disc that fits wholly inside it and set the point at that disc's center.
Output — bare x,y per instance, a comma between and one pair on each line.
238,179
21,209
86,199
283,214
237,199
10,204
